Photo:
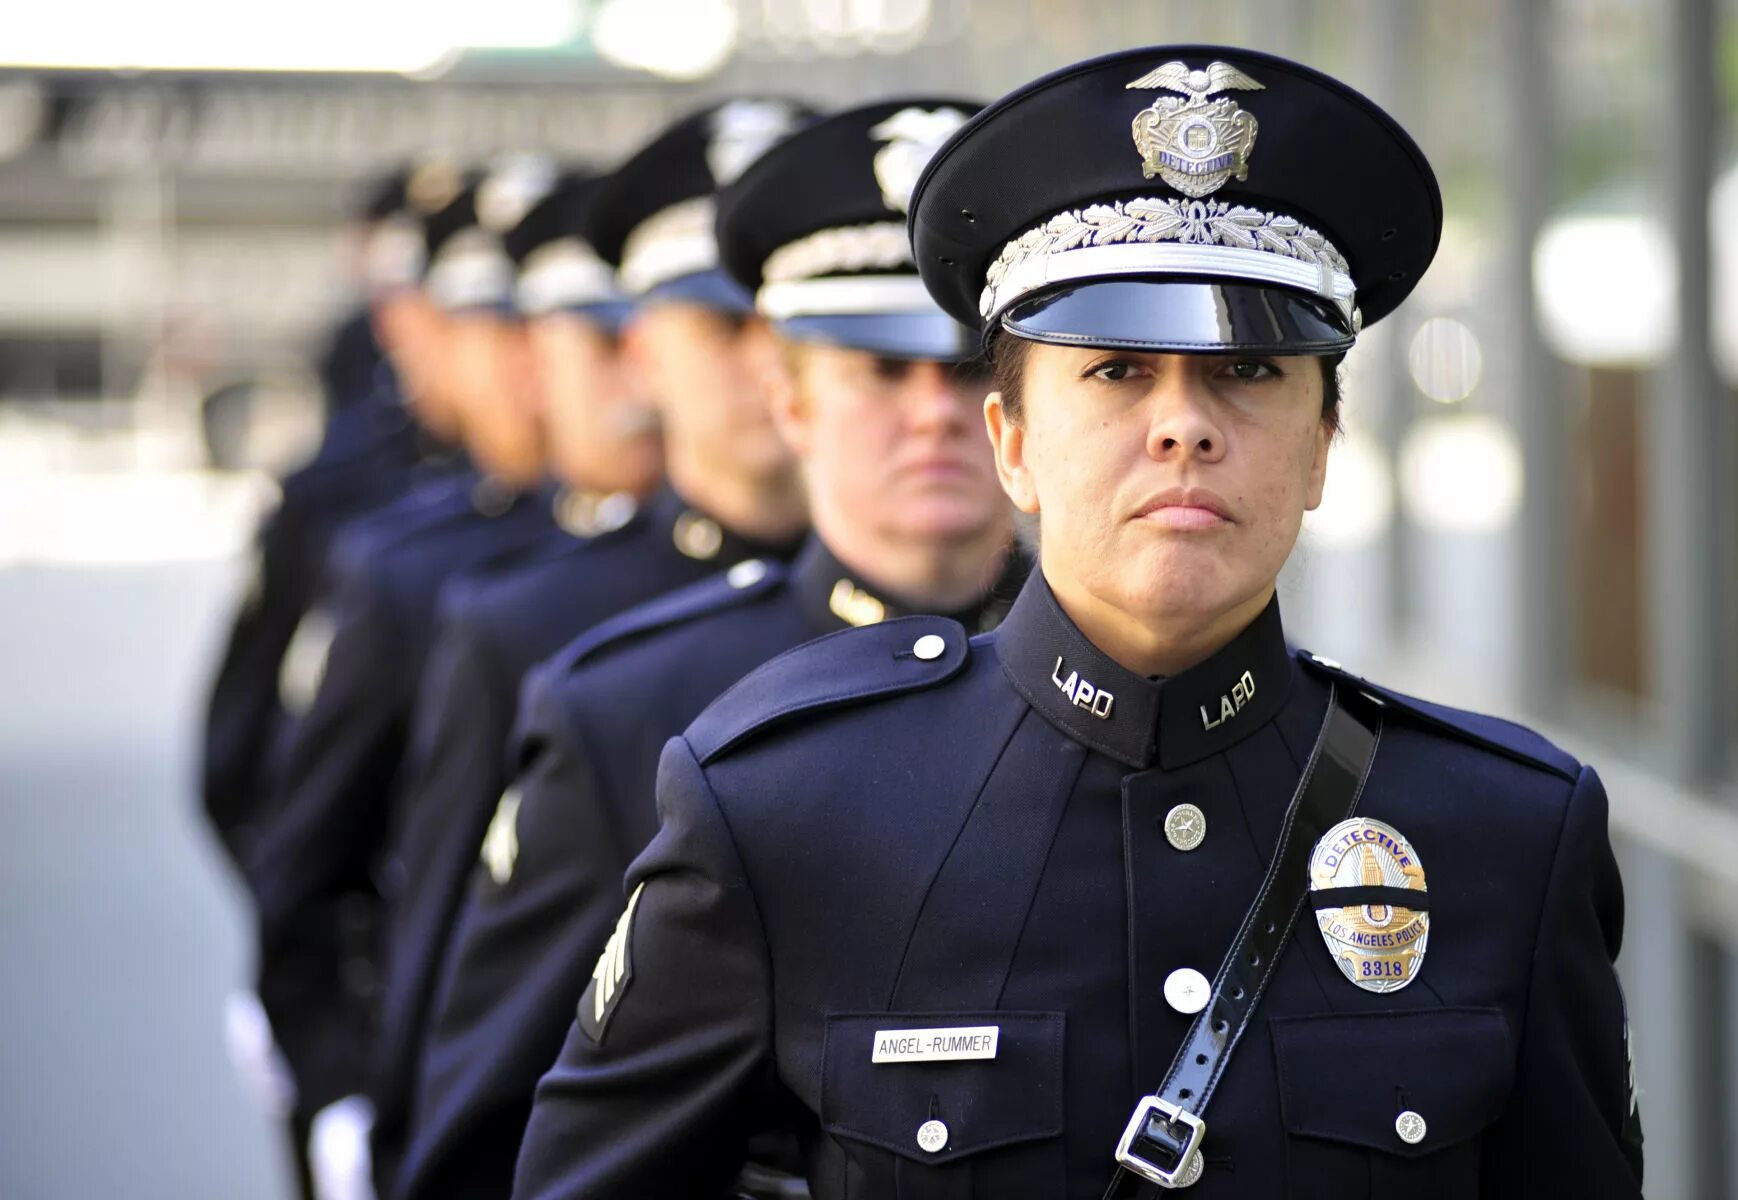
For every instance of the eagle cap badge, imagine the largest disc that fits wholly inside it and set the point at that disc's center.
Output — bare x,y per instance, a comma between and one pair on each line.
1196,144
913,135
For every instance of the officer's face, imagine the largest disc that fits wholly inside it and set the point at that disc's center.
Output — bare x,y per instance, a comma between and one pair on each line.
893,448
601,436
1168,488
491,370
411,332
706,372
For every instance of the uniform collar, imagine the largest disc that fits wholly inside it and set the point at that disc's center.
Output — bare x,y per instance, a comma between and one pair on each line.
697,536
1139,721
833,596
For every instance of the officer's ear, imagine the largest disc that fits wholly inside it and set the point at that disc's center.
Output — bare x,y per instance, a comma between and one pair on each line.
782,379
1008,438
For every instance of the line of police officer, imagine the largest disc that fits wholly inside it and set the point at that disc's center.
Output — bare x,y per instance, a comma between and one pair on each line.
915,908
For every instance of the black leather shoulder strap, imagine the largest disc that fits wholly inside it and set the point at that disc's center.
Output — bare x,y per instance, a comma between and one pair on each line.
1160,1148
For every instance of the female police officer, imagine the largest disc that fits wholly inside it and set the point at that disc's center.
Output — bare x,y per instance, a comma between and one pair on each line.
1124,895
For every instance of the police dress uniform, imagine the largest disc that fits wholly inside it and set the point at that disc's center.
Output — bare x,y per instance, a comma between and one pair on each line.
963,901
372,453
491,631
604,708
548,888
312,863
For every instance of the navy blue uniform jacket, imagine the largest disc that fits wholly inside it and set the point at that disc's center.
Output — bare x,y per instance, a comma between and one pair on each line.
371,454
492,630
313,862
875,833
595,719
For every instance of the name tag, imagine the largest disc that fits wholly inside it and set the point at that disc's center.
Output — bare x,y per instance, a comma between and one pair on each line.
935,1045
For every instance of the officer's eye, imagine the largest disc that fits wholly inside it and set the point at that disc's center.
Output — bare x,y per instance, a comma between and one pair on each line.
1112,371
1251,370
891,370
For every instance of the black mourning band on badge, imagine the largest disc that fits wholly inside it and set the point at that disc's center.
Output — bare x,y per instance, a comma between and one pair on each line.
1181,316
911,335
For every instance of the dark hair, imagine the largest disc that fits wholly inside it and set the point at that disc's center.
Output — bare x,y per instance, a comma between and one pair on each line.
1007,355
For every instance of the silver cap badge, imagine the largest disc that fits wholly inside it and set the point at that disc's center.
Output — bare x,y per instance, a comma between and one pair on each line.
1195,145
913,135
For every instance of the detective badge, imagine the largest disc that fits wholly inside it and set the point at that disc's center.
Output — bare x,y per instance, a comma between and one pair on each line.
1367,887
1195,145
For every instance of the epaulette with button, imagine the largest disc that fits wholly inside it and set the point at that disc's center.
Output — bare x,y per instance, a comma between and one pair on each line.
747,580
1502,737
840,670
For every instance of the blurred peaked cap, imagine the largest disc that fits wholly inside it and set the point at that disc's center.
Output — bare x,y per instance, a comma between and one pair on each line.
383,197
467,269
1178,197
511,185
816,228
653,219
557,268
458,213
560,213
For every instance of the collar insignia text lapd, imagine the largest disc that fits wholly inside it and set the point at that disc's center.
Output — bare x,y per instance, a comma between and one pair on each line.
1081,693
1230,704
854,606
1197,144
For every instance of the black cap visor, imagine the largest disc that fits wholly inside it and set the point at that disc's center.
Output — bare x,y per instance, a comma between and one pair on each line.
931,334
1181,316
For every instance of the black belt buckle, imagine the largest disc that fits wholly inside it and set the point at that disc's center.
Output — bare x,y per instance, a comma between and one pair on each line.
1171,1132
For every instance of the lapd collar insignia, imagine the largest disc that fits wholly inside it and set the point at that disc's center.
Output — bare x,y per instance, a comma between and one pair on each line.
913,135
697,536
500,850
1136,720
1195,145
1367,887
611,976
587,514
854,606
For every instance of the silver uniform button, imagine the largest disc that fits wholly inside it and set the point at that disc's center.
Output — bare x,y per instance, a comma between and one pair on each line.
746,573
1186,990
932,1137
930,646
1185,827
1410,1126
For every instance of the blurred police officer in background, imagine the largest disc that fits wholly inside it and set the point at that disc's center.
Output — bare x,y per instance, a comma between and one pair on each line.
337,760
731,496
1126,896
876,392
380,441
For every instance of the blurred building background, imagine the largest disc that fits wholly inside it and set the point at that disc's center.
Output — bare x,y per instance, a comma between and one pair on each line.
1532,512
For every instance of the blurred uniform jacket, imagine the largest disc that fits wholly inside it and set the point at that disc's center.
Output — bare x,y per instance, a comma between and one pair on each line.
492,630
371,454
548,890
312,865
873,834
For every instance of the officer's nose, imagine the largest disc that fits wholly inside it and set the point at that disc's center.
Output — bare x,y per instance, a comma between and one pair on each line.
1184,423
932,402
